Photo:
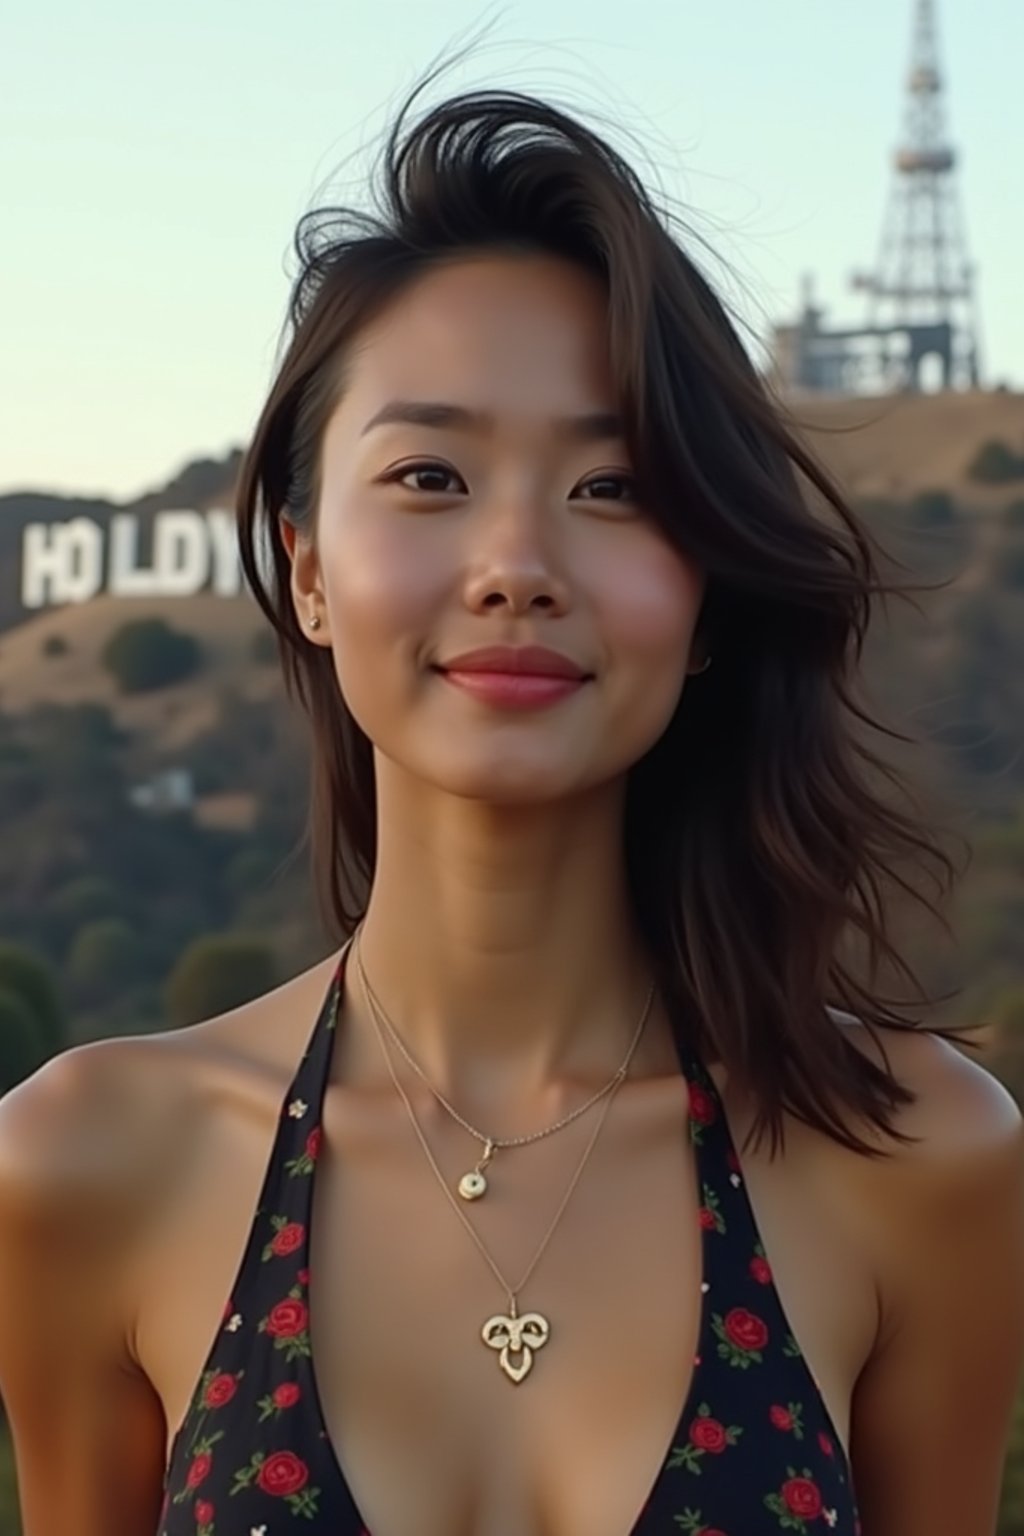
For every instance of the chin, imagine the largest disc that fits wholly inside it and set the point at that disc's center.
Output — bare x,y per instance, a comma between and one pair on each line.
504,781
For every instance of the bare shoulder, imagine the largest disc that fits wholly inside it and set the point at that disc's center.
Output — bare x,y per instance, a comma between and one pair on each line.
79,1142
115,1120
947,1215
98,1151
962,1171
949,1203
103,1145
88,1123
962,1118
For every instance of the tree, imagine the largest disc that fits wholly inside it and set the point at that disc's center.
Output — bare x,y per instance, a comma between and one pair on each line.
103,960
147,653
217,973
932,509
86,899
995,463
22,1048
25,975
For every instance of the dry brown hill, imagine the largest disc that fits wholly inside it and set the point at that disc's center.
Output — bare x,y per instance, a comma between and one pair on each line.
903,444
169,716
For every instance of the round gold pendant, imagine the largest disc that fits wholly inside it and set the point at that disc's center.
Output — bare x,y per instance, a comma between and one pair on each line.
472,1186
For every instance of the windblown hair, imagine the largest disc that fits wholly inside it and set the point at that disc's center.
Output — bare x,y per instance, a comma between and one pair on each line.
762,832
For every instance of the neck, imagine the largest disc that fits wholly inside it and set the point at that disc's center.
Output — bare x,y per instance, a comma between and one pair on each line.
500,943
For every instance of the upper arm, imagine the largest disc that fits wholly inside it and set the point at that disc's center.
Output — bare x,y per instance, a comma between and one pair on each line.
87,1427
933,1406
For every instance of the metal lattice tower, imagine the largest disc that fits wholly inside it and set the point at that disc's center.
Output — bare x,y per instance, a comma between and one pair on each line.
923,284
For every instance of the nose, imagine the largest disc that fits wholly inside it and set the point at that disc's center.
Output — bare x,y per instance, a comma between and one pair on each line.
515,561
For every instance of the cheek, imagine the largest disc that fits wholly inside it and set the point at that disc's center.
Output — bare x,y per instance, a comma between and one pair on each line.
650,607
648,617
384,591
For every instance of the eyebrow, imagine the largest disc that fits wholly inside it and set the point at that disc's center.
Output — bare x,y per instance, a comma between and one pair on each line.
597,426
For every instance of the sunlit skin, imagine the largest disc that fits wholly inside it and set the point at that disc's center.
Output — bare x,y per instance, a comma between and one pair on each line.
499,908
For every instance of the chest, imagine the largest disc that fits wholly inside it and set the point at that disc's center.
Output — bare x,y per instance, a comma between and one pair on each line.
398,1292
612,1399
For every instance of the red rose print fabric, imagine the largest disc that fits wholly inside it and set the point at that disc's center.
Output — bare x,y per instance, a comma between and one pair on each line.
755,1452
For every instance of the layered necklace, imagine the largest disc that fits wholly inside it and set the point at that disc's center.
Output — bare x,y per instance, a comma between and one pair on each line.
516,1337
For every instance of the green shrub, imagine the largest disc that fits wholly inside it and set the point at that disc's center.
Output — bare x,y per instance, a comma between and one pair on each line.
103,959
55,645
86,899
995,463
27,976
932,509
1014,515
22,1047
218,973
147,653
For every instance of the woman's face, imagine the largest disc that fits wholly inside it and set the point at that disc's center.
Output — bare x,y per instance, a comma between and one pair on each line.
503,516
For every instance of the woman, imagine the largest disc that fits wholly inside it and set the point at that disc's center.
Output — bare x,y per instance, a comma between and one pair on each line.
591,809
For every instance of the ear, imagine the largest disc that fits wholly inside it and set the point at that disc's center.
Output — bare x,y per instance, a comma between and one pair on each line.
306,584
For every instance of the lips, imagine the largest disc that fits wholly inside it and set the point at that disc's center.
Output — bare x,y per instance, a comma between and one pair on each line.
523,661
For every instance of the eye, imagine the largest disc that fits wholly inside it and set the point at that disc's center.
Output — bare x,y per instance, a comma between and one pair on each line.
430,476
611,487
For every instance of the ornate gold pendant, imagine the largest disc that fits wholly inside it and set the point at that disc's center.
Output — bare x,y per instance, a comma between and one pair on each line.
473,1185
517,1337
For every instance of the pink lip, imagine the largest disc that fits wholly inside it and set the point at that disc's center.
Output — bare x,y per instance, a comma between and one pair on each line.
515,677
521,660
514,690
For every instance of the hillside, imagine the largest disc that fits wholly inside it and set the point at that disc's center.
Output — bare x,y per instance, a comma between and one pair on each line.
169,717
904,444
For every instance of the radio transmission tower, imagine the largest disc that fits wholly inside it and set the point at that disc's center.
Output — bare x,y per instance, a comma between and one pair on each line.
921,293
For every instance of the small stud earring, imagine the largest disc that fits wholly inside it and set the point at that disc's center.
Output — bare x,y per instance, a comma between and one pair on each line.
314,622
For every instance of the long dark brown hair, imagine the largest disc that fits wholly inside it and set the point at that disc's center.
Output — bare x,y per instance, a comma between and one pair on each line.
763,833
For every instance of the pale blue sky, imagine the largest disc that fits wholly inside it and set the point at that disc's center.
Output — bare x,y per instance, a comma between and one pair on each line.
154,159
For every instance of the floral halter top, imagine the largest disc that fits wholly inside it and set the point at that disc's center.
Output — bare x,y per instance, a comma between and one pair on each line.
755,1452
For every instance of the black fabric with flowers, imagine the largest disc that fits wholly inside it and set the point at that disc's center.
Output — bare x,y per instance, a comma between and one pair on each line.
755,1452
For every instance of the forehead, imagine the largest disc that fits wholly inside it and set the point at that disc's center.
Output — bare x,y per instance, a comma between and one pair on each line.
501,333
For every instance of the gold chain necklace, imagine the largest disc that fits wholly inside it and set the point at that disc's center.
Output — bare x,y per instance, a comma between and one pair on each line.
474,1184
516,1337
